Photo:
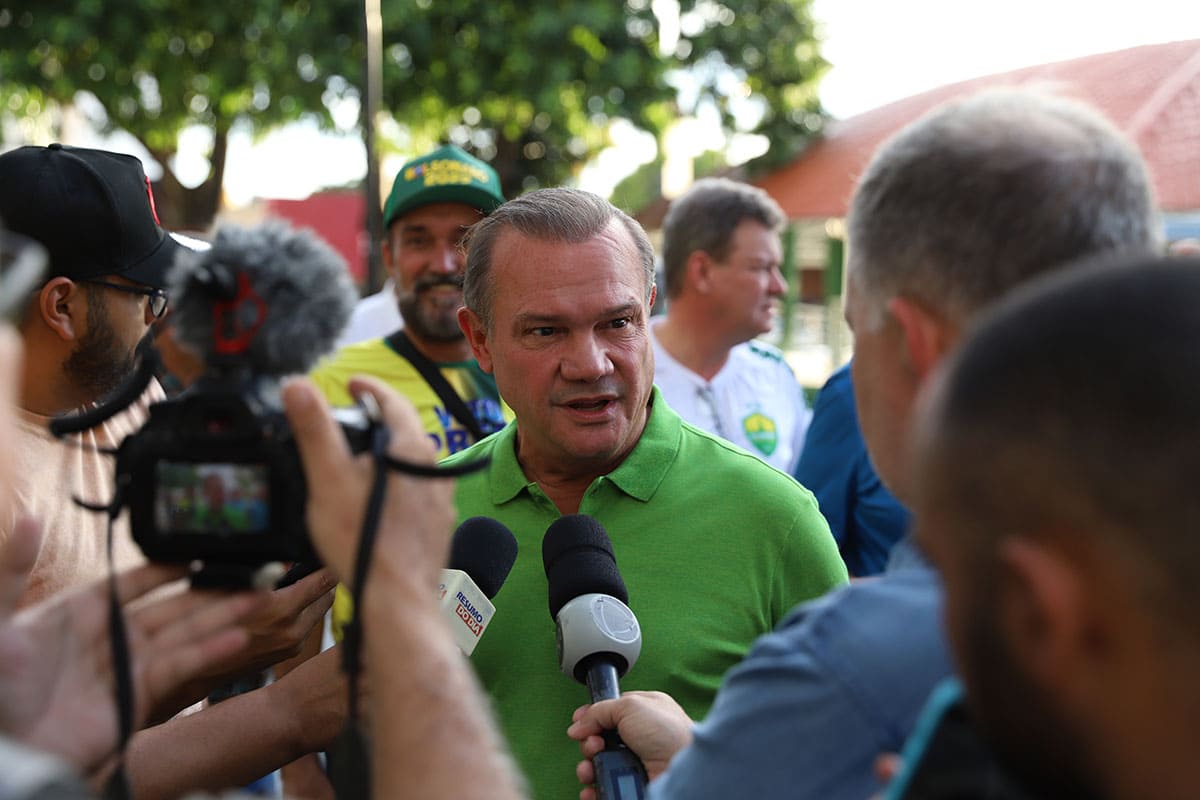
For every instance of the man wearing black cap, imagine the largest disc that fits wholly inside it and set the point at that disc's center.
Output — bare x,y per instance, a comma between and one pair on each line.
93,211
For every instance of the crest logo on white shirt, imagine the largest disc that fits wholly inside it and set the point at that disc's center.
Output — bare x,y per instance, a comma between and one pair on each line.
762,432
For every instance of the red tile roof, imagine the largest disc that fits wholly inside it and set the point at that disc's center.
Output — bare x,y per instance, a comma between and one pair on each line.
1152,93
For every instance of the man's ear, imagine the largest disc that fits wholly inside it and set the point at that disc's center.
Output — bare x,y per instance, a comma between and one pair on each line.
388,257
477,336
927,335
60,305
698,268
1044,612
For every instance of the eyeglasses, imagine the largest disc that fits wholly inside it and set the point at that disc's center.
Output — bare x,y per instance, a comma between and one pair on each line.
158,298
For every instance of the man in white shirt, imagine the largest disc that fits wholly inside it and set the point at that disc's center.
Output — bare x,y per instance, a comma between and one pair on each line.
721,257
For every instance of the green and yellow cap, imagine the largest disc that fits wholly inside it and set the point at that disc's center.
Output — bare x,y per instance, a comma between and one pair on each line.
447,175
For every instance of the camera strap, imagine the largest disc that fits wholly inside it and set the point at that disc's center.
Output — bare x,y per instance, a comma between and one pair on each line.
349,763
349,759
117,787
433,376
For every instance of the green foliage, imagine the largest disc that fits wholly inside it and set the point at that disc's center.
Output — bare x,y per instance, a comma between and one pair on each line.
159,65
530,87
771,45
639,188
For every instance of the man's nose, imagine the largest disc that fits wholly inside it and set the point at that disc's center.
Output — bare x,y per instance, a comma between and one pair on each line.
448,259
777,285
586,359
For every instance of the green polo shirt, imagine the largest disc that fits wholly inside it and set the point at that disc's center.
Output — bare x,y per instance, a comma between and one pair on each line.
714,545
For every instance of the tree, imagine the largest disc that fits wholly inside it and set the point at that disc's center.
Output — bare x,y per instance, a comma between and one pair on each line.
530,87
158,66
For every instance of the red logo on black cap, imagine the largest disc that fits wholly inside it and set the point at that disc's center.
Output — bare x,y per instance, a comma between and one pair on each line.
150,194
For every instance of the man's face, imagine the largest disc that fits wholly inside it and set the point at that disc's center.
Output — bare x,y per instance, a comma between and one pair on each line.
748,283
569,347
105,353
883,393
423,257
1022,720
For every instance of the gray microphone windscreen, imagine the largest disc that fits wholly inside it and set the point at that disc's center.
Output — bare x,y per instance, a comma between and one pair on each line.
278,296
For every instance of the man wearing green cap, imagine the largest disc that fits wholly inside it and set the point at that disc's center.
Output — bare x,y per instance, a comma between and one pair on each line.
433,202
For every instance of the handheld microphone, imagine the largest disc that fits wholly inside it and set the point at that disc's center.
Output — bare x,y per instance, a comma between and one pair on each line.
598,636
482,553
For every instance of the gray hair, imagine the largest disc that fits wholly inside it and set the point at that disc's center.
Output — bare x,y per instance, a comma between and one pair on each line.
559,215
705,217
987,191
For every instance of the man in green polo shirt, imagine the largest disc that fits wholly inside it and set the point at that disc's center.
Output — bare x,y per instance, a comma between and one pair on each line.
714,545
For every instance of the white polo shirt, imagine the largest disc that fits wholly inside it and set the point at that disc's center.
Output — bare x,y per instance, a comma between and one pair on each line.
755,400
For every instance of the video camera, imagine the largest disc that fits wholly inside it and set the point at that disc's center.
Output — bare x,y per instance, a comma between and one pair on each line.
214,476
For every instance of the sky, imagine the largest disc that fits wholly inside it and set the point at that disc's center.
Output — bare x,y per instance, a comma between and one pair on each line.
883,51
880,50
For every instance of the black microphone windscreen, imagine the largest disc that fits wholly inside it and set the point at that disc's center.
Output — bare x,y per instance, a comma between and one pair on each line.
486,550
296,298
578,558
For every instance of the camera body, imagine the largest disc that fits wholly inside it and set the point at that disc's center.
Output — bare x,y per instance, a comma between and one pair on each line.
214,476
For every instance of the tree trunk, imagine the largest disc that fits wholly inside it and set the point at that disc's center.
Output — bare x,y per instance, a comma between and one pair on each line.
509,165
191,210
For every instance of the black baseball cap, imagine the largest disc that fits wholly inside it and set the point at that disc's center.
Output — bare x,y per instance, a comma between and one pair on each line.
92,210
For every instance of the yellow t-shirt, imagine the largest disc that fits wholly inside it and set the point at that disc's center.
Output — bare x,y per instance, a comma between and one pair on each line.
377,359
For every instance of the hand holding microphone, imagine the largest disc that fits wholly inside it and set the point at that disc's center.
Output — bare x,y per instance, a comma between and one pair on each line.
598,635
651,724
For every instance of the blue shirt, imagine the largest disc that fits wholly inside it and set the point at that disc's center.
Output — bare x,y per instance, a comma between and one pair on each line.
866,520
839,681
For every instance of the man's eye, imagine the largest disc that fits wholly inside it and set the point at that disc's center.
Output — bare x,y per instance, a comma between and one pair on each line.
544,330
623,322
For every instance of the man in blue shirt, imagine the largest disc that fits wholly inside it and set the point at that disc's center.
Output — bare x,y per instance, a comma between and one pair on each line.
864,517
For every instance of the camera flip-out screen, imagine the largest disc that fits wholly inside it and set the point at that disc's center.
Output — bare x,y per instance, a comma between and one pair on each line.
212,498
